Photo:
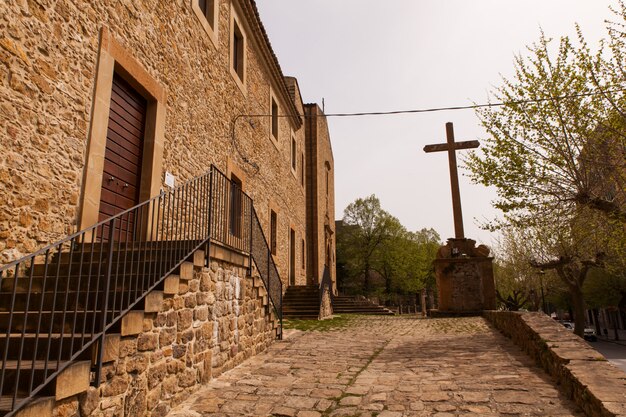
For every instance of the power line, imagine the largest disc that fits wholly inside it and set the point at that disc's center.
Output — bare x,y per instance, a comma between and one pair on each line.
449,108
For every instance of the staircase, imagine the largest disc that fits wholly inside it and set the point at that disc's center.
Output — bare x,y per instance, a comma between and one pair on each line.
343,304
60,306
51,336
301,302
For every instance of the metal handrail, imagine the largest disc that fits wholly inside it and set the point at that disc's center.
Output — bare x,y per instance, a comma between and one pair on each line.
261,254
74,291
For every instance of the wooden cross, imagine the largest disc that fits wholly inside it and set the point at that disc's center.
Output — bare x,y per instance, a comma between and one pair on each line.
451,146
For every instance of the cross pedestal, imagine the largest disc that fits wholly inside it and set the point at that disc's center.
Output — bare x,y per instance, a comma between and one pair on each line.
464,272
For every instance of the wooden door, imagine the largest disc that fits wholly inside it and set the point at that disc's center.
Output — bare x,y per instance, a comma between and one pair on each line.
123,156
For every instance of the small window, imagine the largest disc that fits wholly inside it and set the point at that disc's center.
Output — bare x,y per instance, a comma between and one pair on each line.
273,227
238,50
207,11
236,203
303,256
294,153
302,169
326,182
207,7
274,113
292,257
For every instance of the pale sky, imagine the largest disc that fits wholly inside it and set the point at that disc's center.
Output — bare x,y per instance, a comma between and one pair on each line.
366,55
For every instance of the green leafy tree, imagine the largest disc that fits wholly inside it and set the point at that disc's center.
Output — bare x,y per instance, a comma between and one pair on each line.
555,156
366,227
373,246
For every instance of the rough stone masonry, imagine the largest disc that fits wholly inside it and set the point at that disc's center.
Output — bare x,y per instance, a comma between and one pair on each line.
214,322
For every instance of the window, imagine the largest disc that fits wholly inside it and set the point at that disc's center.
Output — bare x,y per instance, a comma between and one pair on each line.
303,256
326,182
238,51
207,12
302,169
293,153
273,227
274,113
292,257
207,7
235,212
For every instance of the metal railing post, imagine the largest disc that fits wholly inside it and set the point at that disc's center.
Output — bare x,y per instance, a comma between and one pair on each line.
210,216
250,247
106,302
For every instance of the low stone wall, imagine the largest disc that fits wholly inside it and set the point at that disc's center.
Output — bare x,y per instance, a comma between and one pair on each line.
216,321
581,372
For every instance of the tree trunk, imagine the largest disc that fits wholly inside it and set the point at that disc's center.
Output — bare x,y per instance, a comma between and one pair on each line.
366,279
579,310
615,320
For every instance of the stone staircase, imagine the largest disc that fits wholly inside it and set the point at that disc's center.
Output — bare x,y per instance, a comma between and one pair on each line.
301,302
343,304
57,313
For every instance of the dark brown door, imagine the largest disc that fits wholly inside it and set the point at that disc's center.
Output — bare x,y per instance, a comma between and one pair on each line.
123,156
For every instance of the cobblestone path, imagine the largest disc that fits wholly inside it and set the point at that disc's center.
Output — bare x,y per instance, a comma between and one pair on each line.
385,367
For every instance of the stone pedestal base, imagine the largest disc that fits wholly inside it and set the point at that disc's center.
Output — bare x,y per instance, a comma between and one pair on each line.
464,275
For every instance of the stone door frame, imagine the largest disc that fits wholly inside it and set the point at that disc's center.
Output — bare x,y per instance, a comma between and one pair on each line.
113,58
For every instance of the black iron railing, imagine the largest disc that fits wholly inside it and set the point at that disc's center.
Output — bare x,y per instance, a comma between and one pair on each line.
262,255
59,302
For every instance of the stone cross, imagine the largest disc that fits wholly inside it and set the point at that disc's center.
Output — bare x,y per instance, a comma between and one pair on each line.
451,146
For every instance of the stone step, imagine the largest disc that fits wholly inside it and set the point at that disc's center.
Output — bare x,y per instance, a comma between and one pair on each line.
73,380
42,346
71,301
40,407
71,282
50,321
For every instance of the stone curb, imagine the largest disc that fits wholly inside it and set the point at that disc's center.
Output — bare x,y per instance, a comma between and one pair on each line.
581,373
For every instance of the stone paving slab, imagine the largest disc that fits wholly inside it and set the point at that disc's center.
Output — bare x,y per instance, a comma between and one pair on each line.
385,367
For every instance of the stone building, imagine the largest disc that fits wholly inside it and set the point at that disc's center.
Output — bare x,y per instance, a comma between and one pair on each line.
203,79
320,196
105,105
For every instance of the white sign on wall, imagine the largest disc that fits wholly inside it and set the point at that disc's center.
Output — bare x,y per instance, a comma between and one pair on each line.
170,180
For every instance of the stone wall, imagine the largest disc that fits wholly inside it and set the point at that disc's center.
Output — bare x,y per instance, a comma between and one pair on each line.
464,275
49,51
216,320
580,371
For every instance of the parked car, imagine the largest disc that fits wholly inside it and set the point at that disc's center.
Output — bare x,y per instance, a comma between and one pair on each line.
590,334
568,325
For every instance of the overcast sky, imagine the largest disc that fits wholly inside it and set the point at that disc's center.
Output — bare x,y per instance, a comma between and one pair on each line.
366,55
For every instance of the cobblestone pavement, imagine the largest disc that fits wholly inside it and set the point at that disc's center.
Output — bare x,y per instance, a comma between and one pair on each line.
385,367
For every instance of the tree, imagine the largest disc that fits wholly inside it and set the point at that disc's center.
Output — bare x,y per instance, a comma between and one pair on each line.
367,226
371,243
552,149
